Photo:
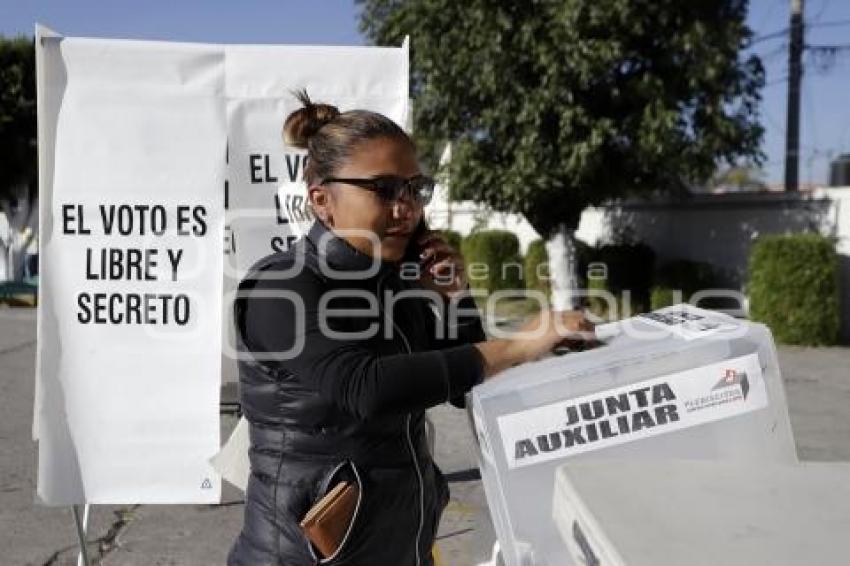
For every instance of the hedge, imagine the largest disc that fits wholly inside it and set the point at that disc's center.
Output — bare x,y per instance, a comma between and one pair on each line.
793,288
452,238
661,296
683,275
499,251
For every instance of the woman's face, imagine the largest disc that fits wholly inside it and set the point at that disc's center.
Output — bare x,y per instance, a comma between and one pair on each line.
346,207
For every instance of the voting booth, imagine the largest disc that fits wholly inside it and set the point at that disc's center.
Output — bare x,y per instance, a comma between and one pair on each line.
162,178
681,382
703,512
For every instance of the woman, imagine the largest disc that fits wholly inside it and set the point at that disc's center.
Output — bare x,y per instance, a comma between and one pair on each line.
343,348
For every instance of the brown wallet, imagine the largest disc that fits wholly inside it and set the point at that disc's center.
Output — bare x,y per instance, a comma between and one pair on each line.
326,523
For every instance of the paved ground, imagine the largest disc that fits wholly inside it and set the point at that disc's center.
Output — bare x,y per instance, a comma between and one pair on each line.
817,381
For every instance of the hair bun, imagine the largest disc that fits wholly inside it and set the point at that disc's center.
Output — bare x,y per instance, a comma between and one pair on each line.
302,124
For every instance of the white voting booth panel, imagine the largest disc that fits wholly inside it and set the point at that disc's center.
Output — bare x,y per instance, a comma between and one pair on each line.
163,176
132,140
703,513
679,383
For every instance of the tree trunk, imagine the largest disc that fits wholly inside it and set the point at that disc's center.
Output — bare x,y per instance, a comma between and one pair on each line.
7,270
563,267
15,256
21,232
20,256
4,262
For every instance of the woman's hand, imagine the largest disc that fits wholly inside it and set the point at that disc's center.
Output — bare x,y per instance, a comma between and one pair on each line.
536,337
442,267
549,329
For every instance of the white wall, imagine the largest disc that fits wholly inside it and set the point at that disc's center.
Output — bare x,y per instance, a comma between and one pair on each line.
462,216
720,228
714,228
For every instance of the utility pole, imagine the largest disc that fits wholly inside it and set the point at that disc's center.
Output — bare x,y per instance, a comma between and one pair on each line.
795,75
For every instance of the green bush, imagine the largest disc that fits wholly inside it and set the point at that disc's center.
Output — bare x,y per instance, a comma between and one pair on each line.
661,296
452,238
793,288
599,305
536,277
499,251
682,275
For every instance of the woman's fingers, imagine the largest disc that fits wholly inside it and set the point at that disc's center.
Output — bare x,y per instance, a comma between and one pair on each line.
549,328
433,244
443,267
428,237
436,250
575,322
447,275
441,261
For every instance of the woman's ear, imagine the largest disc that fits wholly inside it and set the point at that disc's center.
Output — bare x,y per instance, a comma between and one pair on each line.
320,201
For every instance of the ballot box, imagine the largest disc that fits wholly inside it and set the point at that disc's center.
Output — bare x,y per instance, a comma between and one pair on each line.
703,513
680,382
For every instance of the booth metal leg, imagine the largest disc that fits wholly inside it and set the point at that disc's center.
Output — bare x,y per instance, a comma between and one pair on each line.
81,520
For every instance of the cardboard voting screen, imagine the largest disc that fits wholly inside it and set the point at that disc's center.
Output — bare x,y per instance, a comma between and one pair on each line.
163,177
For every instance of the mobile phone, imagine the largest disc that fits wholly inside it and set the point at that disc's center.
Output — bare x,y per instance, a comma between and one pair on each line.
411,254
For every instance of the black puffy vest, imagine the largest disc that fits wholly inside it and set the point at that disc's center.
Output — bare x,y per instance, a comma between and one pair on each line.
301,445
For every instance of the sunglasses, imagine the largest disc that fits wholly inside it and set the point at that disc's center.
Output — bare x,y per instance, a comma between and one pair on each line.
390,188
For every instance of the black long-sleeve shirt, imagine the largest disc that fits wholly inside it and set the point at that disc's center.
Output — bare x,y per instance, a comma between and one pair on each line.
366,377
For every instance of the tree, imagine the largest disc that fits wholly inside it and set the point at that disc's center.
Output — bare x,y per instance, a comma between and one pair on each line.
739,178
18,148
555,105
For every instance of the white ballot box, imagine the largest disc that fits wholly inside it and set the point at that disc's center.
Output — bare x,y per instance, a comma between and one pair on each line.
677,383
703,513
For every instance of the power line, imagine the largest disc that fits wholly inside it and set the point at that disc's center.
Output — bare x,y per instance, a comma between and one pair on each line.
781,33
811,119
774,52
784,31
834,23
773,122
823,8
769,56
770,11
826,47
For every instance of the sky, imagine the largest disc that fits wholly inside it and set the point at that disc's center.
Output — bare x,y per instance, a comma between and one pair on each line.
825,100
825,111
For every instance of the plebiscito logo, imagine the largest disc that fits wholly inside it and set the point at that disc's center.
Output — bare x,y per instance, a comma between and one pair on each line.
732,387
733,378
